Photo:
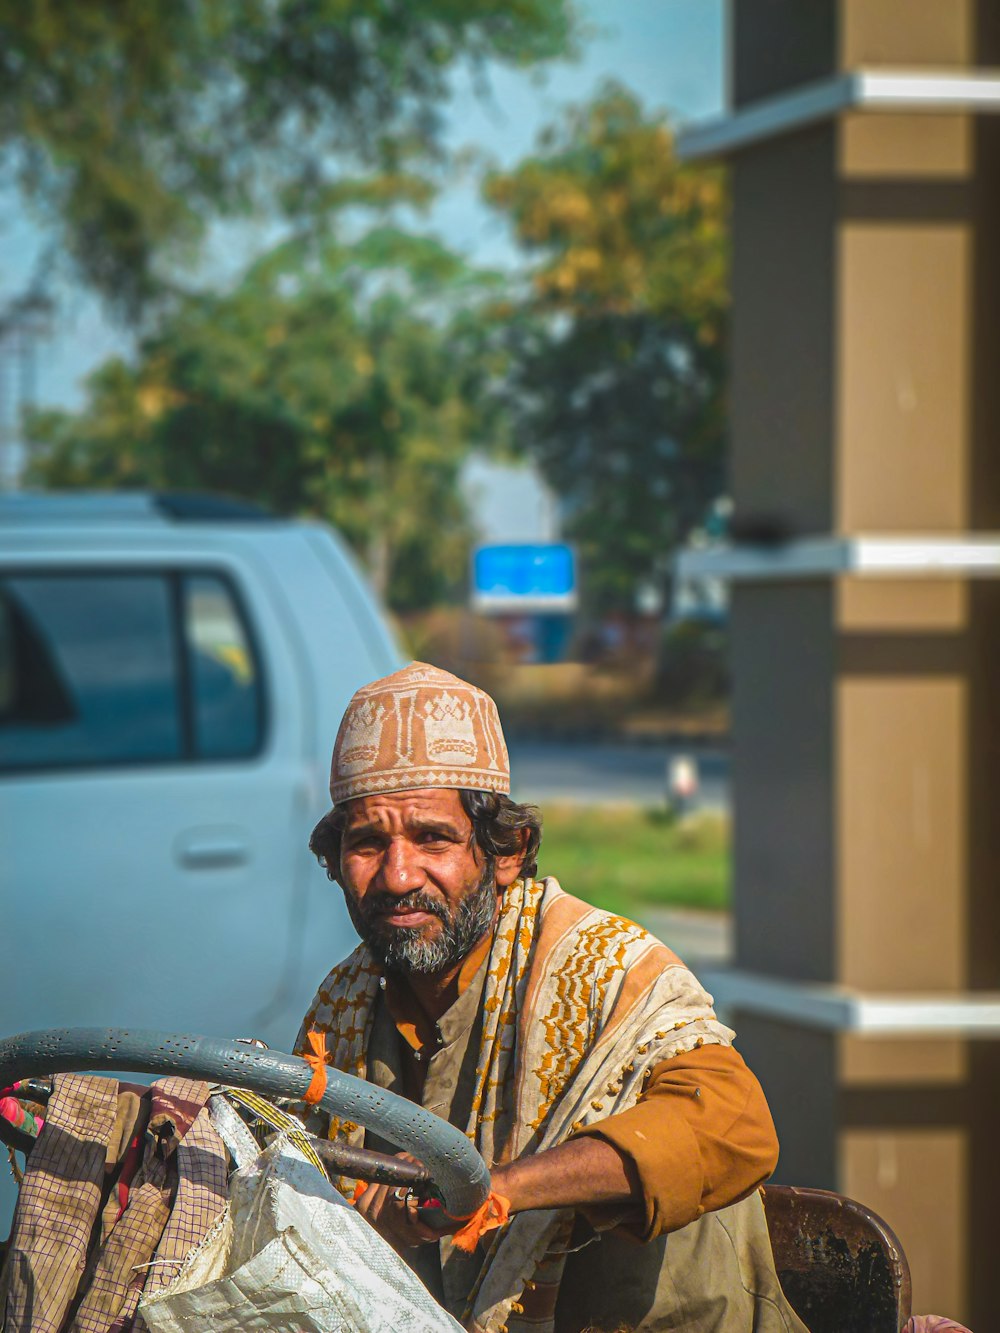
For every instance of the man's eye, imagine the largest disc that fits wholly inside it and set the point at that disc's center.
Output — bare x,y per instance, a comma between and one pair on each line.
361,844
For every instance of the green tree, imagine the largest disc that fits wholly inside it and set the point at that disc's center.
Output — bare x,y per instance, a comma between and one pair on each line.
616,386
344,381
130,125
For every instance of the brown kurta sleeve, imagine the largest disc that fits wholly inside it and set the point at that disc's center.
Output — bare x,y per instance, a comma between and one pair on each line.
694,1153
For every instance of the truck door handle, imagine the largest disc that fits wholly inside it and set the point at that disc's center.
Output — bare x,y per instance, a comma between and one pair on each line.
211,849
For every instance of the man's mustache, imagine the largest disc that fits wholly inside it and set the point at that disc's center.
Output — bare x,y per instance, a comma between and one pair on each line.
382,904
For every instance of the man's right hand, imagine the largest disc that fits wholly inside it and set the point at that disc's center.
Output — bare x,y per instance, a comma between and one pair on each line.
392,1211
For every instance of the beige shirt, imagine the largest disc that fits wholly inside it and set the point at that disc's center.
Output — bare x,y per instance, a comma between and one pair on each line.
701,1139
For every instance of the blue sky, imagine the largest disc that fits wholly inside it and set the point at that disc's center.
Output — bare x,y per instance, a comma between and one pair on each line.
669,51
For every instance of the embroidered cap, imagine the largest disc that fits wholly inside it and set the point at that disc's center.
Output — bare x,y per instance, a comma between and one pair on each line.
420,727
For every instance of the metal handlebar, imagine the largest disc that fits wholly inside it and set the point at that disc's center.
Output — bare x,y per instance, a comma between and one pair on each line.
457,1169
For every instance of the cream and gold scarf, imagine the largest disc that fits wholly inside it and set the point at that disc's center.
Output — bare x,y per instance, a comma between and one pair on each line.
579,1007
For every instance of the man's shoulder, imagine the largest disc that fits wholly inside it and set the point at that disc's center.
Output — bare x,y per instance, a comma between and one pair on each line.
564,914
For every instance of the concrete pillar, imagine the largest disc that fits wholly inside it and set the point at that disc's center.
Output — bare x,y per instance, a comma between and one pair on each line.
866,400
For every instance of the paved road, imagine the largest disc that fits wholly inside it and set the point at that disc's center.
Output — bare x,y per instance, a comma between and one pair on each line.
613,773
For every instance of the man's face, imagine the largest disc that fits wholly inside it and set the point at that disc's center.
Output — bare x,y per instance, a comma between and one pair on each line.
417,888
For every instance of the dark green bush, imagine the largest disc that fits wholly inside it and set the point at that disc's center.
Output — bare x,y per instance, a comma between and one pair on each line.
693,664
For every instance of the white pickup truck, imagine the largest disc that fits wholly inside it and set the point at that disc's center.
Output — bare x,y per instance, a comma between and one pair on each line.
172,673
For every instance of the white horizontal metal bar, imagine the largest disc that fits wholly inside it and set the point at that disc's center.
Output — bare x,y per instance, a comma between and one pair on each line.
765,119
928,90
861,89
839,1009
862,556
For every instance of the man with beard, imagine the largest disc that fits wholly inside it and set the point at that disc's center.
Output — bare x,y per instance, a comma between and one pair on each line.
577,1052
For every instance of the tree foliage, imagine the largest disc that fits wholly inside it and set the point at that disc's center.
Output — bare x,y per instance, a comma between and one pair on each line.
618,352
131,124
344,381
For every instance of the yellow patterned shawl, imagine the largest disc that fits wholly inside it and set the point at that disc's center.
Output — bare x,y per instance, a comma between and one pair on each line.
579,1007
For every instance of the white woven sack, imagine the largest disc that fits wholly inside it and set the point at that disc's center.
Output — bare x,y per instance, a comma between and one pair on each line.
291,1254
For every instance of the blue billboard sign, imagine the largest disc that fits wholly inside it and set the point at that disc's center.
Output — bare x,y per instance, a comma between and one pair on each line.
524,577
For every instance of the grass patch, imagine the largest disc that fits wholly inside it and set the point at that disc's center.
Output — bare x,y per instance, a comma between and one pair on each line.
623,858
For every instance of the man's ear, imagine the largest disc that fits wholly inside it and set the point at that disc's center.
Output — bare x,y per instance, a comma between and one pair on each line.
508,868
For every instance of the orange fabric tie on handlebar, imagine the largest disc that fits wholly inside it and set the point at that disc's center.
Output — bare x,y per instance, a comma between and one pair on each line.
317,1063
495,1212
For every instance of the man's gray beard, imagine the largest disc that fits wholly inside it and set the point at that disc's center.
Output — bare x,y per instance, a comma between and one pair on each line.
405,949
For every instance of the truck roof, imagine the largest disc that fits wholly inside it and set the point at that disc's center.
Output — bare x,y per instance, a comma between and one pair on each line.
155,507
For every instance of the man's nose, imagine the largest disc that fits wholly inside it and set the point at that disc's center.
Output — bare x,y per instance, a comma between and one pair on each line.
400,871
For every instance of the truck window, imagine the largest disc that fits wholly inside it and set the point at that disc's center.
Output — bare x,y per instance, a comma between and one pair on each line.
225,691
88,671
108,669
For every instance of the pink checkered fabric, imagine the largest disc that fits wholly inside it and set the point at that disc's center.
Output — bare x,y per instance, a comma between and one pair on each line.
177,1194
58,1205
933,1323
202,1191
75,1269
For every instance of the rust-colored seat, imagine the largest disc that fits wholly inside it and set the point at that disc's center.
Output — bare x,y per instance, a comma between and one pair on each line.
840,1265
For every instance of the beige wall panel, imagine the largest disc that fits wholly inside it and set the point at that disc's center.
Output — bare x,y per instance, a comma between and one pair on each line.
902,605
903,344
916,1180
900,842
898,32
877,1063
886,146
